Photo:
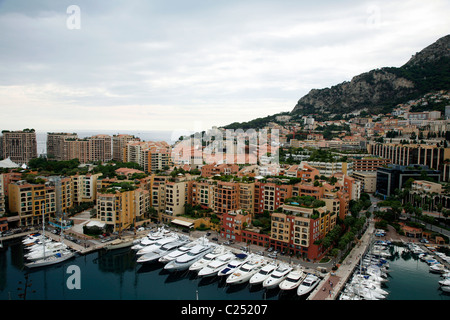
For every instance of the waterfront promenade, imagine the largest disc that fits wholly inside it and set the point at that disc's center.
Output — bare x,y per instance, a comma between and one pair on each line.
330,287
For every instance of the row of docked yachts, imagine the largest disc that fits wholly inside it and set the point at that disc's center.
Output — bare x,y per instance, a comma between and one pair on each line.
43,251
370,276
206,259
437,263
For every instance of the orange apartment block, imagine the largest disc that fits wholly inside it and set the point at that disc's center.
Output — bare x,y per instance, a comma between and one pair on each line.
226,197
296,229
269,196
210,170
29,201
233,223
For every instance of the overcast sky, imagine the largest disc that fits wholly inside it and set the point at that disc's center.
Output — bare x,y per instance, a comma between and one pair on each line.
191,64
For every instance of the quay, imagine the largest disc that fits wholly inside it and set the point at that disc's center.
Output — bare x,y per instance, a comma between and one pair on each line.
333,282
329,287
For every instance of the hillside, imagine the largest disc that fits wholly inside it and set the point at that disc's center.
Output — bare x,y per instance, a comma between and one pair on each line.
381,89
376,91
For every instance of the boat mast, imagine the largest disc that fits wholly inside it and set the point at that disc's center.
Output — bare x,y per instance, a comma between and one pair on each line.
43,228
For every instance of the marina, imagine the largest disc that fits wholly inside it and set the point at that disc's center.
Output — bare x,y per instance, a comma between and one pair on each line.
116,274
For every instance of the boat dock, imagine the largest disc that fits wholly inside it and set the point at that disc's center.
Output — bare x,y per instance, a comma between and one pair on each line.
332,284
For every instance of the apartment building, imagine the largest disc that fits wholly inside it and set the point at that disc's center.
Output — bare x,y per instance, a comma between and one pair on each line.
121,209
368,180
119,143
30,201
57,148
296,229
431,156
233,224
63,192
269,196
307,189
175,194
85,187
429,195
329,168
307,172
209,170
19,146
423,186
226,197
67,146
202,193
247,197
151,156
368,164
10,177
352,187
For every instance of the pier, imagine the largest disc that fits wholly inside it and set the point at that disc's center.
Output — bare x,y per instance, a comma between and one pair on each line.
332,284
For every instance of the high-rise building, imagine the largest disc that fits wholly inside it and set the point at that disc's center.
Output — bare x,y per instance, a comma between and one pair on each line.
431,156
57,146
119,143
151,156
19,146
67,146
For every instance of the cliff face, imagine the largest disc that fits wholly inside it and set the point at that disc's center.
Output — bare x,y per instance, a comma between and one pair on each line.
376,89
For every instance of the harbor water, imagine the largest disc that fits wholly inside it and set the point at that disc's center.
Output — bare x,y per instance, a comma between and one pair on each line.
115,275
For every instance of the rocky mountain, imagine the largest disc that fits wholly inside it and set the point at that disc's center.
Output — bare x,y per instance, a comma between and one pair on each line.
381,89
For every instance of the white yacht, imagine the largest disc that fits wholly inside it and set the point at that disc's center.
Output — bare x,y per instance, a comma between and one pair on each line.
438,268
155,246
213,267
37,243
32,238
445,282
246,271
209,257
48,246
161,252
263,273
369,284
150,238
186,260
54,259
241,258
277,276
178,252
445,288
307,285
293,279
40,254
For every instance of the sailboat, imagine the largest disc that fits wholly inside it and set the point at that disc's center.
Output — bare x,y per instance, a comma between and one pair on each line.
53,259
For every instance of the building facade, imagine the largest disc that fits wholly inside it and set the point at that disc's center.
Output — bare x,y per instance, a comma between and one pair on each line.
31,201
395,176
19,146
